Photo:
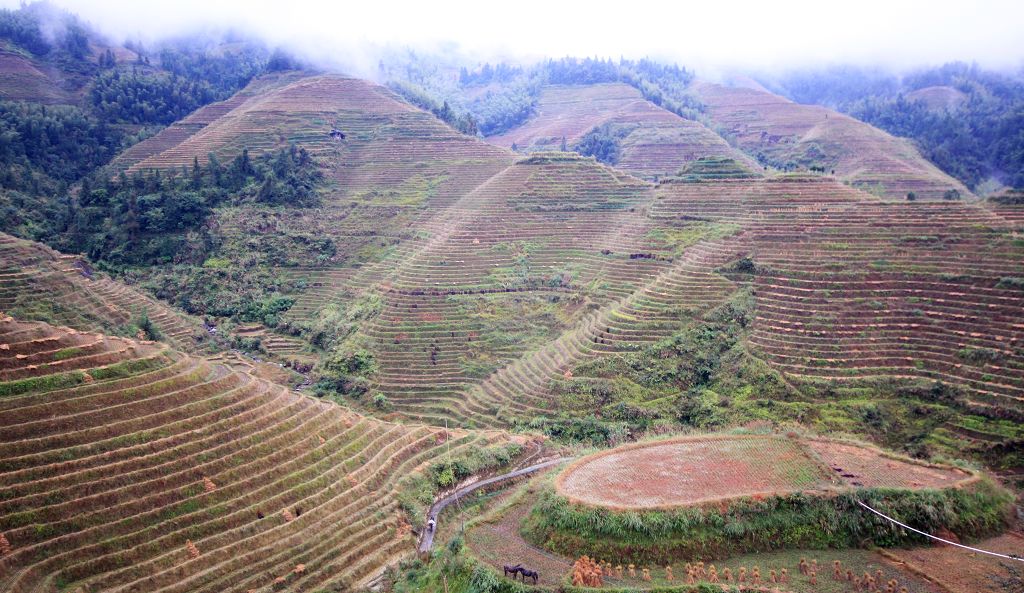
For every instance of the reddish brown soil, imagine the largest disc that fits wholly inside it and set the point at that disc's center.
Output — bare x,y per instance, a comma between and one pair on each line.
962,571
860,466
692,470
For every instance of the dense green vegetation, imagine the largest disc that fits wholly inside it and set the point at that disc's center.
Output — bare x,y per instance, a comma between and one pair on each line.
777,522
689,379
154,229
45,30
418,96
603,143
147,99
45,148
975,140
189,76
147,219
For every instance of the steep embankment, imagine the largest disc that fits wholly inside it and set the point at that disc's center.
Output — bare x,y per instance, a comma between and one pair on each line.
127,466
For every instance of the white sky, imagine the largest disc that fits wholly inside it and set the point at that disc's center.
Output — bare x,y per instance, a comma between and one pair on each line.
707,35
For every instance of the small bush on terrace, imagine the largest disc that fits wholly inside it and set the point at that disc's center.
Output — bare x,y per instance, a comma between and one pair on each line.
145,328
603,143
335,322
346,371
1011,282
419,494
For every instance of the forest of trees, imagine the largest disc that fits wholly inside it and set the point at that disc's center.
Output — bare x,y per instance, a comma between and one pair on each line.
499,97
65,32
464,122
602,143
189,76
46,149
158,98
145,219
978,139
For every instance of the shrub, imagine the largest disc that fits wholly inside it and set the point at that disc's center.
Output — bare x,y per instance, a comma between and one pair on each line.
380,401
602,143
1011,282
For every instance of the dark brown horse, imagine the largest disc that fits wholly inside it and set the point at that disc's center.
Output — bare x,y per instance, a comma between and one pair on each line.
529,573
514,570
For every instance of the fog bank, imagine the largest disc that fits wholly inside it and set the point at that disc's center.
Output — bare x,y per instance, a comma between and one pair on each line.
710,37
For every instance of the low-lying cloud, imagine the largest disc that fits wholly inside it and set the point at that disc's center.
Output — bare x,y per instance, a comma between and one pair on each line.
708,36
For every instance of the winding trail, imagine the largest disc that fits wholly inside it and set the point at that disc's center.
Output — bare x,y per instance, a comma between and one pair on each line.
428,534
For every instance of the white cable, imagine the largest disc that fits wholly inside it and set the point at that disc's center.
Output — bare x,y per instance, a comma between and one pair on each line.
945,541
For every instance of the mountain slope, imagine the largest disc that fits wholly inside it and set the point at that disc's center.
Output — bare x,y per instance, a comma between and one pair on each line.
470,286
478,280
784,132
849,287
654,141
393,162
23,78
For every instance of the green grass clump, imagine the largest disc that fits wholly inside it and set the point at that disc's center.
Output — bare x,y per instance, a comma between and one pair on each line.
759,525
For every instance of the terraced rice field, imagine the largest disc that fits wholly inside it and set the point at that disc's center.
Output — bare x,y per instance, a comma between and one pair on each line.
658,142
809,135
128,466
539,228
960,572
692,470
869,468
497,274
76,297
851,288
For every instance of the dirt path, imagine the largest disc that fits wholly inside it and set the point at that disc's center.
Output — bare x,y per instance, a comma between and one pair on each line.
961,571
427,540
498,543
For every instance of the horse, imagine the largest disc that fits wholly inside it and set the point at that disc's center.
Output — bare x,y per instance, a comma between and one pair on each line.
512,569
529,573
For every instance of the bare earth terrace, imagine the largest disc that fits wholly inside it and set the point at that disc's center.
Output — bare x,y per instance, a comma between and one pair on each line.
692,470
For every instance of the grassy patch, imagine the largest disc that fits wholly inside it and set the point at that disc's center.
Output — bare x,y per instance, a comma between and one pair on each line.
772,523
